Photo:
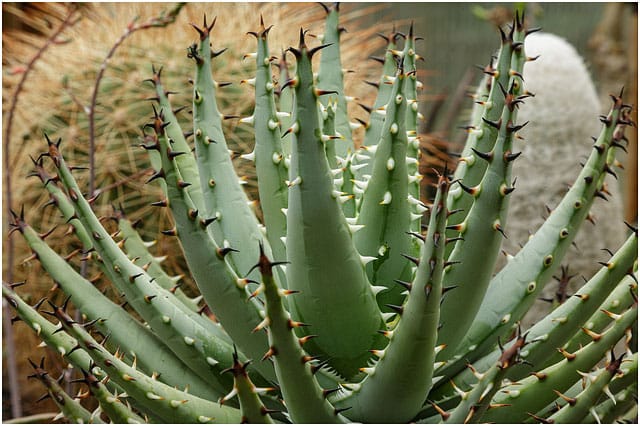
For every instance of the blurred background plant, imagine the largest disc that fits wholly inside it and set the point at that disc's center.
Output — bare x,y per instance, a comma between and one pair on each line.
60,72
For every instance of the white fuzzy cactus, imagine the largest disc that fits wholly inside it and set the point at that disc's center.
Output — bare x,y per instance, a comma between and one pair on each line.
562,119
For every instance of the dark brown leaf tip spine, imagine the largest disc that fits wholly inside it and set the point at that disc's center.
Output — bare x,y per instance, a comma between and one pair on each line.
206,29
263,31
302,47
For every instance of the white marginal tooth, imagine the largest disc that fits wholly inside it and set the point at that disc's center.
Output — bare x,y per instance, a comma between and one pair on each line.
415,216
284,240
421,208
386,316
262,391
593,412
368,370
339,181
283,114
351,220
276,158
608,392
377,288
287,162
272,124
413,200
349,98
242,181
420,116
230,395
370,148
356,167
149,244
367,259
362,157
264,323
419,85
336,194
284,211
437,365
344,198
351,386
336,172
394,129
389,78
380,111
386,199
360,183
355,228
411,161
358,191
250,156
378,353
248,120
175,403
160,259
439,349
353,125
415,178
296,181
295,127
591,378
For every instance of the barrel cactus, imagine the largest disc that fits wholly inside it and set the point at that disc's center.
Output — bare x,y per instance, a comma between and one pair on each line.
342,305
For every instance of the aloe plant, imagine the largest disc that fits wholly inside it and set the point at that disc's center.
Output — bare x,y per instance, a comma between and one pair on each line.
340,307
